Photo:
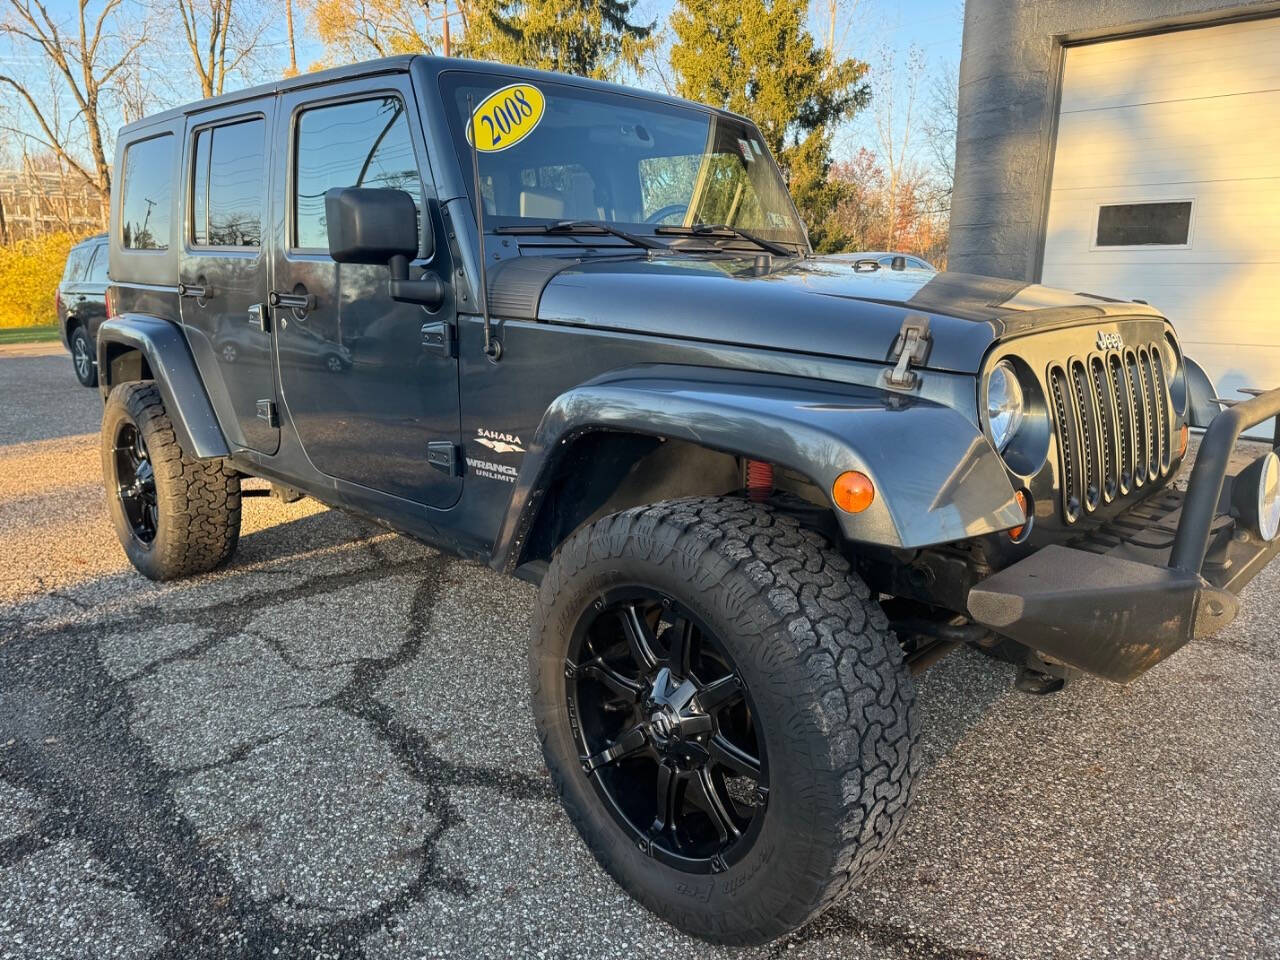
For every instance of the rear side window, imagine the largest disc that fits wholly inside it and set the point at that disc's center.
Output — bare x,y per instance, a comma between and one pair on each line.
77,260
228,185
98,268
361,144
147,194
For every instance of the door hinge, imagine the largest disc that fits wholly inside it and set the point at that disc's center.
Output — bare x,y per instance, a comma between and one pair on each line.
911,347
440,338
445,456
267,413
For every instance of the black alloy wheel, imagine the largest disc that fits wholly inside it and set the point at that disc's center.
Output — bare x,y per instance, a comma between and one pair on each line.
666,731
136,482
82,358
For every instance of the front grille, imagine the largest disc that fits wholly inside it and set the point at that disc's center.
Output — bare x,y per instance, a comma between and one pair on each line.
1114,426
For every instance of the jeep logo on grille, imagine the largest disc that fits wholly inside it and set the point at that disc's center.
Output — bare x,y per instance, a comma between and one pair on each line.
1109,341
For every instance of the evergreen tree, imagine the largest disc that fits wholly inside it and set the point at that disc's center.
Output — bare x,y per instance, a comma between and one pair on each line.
589,38
757,58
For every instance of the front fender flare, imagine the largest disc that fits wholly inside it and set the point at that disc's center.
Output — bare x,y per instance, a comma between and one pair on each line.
1202,403
174,370
937,478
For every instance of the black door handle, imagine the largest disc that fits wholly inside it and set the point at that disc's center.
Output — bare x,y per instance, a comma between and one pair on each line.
302,302
197,290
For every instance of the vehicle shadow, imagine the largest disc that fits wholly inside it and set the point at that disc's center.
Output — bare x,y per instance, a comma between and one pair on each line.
328,738
302,684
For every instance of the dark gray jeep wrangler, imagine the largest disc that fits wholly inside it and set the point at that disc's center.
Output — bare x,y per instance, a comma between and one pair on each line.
577,332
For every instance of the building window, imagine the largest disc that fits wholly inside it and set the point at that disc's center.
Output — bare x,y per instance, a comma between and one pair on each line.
147,194
1164,224
361,144
227,186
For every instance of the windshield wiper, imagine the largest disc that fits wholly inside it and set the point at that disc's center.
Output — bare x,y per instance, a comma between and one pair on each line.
726,231
581,226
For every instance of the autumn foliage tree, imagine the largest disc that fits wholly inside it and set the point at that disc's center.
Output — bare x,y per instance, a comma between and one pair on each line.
871,213
354,30
758,58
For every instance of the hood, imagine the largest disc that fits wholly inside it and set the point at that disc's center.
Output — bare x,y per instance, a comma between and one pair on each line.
818,306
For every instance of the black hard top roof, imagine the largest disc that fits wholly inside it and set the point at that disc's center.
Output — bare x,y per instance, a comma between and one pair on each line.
400,64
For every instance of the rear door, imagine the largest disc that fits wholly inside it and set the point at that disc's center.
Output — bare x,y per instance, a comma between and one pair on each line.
366,386
70,289
92,299
224,266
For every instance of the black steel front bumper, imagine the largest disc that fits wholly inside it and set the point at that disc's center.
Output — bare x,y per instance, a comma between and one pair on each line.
1126,596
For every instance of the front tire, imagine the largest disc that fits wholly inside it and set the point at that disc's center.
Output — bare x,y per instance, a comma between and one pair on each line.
646,620
176,515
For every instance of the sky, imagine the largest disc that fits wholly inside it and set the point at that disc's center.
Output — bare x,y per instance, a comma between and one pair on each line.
933,27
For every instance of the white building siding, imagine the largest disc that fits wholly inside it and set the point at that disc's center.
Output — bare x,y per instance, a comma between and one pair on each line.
1188,115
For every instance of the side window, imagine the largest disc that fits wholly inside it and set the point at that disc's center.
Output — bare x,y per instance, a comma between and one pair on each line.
147,194
361,144
227,185
98,268
76,261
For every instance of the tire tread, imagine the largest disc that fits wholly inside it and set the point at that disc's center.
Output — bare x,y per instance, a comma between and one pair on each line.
837,662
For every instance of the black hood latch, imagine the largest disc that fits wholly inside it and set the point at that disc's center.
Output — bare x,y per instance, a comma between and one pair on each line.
910,348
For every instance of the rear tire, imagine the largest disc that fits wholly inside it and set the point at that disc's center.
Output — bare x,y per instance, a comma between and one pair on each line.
82,358
830,706
176,516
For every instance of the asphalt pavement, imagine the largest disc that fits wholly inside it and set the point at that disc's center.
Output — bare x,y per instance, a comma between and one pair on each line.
324,750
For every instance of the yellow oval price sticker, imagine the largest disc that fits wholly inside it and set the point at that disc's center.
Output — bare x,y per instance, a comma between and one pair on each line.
507,116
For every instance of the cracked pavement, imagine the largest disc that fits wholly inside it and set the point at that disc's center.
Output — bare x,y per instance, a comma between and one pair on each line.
324,750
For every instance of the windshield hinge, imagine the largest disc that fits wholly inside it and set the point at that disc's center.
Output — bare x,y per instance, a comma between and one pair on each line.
910,348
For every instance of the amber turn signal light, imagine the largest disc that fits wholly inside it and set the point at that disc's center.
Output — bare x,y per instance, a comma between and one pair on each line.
853,491
1024,504
1184,440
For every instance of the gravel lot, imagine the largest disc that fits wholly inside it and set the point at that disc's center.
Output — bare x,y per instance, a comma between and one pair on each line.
325,750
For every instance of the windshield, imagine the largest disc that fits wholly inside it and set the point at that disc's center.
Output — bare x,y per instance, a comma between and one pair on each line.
551,152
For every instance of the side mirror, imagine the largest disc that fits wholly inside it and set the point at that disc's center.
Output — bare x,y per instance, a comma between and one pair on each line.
898,263
368,225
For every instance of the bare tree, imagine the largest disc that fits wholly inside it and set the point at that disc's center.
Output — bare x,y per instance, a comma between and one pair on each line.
837,10
220,35
940,123
896,116
85,57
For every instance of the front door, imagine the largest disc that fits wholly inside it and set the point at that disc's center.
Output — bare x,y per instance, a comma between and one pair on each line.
224,266
365,389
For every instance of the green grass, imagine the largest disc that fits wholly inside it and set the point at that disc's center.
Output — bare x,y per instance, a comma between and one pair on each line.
42,334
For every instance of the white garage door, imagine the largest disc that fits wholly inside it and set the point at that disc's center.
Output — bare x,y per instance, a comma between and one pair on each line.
1166,188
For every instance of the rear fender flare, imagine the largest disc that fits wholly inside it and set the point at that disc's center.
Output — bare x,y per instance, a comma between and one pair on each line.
169,359
937,478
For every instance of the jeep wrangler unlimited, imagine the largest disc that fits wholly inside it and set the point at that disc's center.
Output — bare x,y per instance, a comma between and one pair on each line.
577,332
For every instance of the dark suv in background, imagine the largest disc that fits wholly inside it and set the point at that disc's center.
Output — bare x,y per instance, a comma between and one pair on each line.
82,305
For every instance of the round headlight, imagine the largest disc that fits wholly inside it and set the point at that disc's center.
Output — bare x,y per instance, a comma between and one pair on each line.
1255,496
1005,404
